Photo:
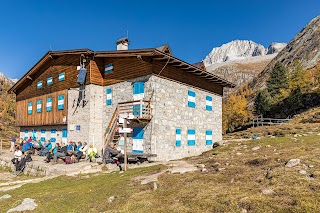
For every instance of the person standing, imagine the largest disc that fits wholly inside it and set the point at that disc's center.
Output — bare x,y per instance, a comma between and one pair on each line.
13,141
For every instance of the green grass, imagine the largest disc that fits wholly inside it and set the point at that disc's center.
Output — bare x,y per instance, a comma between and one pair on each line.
78,194
231,190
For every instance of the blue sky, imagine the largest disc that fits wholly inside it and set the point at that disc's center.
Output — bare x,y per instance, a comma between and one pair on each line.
192,28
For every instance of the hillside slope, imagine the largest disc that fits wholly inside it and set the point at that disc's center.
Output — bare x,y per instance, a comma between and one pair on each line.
305,46
7,109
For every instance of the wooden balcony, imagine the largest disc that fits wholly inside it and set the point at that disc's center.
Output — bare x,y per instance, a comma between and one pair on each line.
139,110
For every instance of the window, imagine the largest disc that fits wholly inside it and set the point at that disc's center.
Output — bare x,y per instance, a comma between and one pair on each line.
39,106
60,102
43,135
191,137
208,137
29,108
26,134
49,104
49,81
39,85
109,96
178,137
53,135
61,77
138,91
108,68
209,103
191,99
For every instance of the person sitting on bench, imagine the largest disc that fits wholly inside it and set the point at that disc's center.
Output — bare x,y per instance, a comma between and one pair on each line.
45,149
92,152
51,152
61,152
82,151
110,152
17,155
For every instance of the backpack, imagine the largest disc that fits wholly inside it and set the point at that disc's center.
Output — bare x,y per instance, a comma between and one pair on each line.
68,160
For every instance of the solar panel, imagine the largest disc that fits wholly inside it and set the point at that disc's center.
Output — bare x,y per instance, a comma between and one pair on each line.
82,76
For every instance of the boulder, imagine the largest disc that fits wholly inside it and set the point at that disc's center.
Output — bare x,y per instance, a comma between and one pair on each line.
267,191
292,163
256,148
303,172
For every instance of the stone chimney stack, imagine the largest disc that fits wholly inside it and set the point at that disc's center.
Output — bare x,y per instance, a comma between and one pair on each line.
123,43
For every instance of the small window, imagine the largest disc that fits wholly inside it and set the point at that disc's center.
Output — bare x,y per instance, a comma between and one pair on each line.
178,137
50,81
208,137
108,68
109,96
53,135
191,137
209,103
61,76
43,135
26,136
49,105
60,102
39,85
39,106
29,108
191,99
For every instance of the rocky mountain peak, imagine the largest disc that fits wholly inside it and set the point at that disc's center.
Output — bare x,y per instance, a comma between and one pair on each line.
240,49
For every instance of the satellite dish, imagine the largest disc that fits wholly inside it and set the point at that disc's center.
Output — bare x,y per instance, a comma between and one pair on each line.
82,76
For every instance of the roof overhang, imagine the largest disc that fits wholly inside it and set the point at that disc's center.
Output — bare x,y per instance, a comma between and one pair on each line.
189,68
48,56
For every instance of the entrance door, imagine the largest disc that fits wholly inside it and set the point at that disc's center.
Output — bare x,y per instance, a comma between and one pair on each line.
137,137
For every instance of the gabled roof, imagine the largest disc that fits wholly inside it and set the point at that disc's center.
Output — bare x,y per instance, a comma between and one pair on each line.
44,59
162,53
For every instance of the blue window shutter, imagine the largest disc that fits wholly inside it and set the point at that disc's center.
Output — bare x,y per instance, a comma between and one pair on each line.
209,103
191,99
60,102
34,134
178,137
61,77
108,68
26,134
109,96
53,135
208,137
29,108
39,84
39,106
49,80
43,135
191,137
138,88
64,133
49,104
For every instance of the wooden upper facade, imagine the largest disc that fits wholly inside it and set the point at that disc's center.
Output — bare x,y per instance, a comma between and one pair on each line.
103,68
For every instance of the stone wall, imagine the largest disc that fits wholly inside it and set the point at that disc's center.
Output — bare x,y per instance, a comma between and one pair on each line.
122,92
88,117
31,168
171,111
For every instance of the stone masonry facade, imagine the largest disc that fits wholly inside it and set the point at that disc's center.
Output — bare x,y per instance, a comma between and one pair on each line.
170,111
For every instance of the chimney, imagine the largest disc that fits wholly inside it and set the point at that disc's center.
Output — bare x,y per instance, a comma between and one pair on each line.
122,43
